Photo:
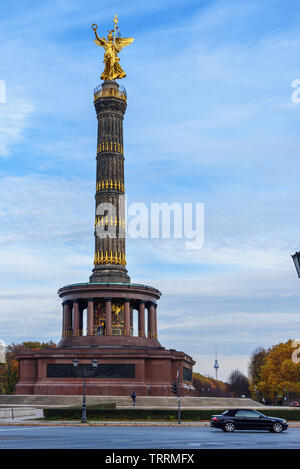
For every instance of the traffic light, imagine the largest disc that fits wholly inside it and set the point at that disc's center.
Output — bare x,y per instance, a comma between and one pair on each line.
174,388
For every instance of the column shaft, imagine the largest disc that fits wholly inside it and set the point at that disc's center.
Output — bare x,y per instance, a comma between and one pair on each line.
155,321
90,317
151,321
68,319
127,317
65,319
110,250
141,321
108,319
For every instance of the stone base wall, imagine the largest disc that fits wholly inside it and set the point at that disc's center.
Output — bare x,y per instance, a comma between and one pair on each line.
101,389
148,372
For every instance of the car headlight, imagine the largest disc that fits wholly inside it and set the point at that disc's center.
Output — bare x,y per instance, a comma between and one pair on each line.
284,421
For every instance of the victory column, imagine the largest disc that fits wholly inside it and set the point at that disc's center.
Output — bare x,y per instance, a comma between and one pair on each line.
126,361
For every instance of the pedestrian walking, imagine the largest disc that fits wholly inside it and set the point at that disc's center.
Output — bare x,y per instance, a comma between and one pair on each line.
133,397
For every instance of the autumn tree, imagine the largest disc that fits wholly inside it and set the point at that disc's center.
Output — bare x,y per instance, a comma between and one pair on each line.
9,372
239,384
257,360
206,386
279,374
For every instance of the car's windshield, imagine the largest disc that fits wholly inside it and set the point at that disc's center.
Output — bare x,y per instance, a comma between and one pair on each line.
227,412
259,413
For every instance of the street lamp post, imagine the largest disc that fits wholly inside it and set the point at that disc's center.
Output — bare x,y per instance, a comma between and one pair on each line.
286,395
296,259
178,398
84,373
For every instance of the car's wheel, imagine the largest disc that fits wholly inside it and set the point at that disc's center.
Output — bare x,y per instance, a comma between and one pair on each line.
277,427
229,427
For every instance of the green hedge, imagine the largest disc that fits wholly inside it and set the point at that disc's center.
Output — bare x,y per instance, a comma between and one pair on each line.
103,405
288,414
97,413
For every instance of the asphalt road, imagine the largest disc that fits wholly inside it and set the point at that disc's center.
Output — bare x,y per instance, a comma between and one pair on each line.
12,437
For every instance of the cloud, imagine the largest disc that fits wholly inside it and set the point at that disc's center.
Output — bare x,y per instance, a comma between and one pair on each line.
14,119
40,210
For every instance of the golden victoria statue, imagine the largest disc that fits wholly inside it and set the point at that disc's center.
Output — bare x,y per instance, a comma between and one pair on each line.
112,46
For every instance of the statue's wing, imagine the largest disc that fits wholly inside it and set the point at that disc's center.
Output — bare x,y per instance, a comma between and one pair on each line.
100,41
121,42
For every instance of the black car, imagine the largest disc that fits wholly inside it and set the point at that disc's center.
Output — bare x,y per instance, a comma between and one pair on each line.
247,419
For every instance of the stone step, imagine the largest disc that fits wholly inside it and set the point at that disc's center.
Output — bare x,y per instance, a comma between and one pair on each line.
123,401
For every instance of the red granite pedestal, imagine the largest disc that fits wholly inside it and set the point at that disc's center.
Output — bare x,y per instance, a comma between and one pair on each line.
154,371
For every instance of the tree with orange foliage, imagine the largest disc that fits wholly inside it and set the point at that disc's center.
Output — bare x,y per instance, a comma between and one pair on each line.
9,373
206,386
257,360
279,374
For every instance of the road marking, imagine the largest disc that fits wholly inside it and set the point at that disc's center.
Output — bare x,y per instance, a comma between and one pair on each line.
21,429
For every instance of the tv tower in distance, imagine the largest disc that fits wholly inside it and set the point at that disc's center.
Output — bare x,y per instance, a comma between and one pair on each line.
216,364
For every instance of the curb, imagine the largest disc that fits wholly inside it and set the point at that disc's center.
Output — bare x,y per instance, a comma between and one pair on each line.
101,424
116,424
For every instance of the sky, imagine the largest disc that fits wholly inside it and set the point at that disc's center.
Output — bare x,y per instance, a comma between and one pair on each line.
210,119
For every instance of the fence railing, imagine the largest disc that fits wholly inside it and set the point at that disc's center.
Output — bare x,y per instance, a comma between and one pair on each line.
120,93
96,331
